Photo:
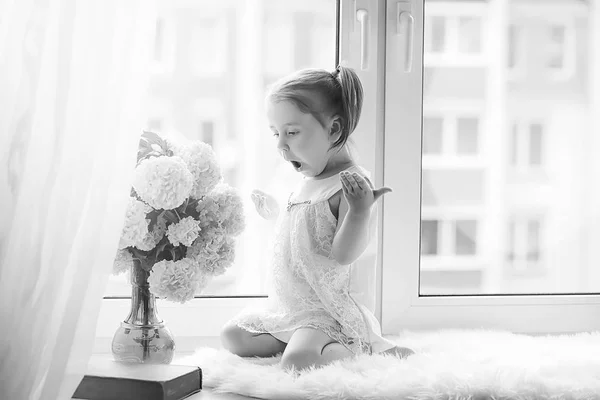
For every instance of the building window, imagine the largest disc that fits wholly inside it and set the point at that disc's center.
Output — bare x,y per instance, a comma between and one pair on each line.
432,135
515,47
557,47
560,50
467,135
429,237
524,243
465,237
451,135
527,145
453,40
435,37
469,35
449,237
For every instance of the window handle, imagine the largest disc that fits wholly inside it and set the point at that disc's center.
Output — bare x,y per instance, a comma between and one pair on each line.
405,24
363,16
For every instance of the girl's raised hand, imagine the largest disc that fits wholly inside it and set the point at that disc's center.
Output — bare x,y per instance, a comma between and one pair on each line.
359,192
265,204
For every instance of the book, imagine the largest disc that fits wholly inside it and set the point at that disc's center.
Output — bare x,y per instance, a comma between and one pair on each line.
107,379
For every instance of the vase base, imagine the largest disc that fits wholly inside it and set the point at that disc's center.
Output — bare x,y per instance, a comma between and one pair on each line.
153,344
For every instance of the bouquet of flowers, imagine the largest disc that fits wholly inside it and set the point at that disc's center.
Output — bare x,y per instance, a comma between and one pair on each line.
181,220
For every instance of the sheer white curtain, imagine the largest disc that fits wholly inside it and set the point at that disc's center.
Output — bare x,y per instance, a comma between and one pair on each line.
73,78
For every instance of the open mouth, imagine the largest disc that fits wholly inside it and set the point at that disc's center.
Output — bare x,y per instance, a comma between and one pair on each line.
296,164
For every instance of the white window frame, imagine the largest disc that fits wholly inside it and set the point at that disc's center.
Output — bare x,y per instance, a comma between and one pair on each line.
402,306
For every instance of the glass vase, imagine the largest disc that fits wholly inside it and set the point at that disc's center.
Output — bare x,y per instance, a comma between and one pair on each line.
143,337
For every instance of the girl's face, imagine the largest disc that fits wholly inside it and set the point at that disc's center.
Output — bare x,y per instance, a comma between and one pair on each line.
301,139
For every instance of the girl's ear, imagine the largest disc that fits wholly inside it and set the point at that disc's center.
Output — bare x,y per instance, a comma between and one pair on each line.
336,128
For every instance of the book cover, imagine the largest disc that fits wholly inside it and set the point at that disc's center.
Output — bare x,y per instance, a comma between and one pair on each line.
107,379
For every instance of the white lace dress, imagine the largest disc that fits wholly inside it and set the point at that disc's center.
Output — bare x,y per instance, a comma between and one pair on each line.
307,287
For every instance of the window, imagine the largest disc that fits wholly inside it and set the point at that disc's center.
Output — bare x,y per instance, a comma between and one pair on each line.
451,134
436,37
466,244
560,50
455,236
516,49
433,133
449,237
524,252
467,131
465,234
556,47
469,35
220,62
454,36
527,145
429,237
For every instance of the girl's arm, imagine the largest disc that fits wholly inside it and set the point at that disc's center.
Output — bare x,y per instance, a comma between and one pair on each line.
354,217
352,234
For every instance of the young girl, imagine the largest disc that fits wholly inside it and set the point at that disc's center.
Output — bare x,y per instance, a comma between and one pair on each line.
318,309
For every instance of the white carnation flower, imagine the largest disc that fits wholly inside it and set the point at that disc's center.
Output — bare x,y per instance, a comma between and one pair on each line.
213,251
136,224
223,206
163,182
202,163
154,236
226,257
176,281
123,262
184,231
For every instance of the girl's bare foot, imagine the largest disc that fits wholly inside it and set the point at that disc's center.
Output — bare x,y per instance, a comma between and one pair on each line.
400,352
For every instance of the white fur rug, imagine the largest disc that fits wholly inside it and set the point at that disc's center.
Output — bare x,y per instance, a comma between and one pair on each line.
447,364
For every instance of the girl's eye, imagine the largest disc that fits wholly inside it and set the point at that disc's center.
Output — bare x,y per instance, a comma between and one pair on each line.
276,134
292,133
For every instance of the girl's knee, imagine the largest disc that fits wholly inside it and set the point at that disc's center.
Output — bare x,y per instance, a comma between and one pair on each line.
298,360
233,339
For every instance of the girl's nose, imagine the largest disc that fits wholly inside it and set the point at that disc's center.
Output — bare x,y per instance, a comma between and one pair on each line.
282,144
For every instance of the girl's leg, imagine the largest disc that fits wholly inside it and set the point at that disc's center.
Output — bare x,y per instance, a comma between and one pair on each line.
248,344
310,347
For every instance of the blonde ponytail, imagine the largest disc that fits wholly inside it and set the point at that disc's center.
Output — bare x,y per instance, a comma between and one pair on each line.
352,99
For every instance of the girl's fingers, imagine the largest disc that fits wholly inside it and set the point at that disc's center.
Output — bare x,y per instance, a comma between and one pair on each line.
357,183
346,184
360,181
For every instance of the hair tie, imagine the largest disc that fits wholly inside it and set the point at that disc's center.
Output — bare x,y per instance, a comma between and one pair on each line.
336,72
